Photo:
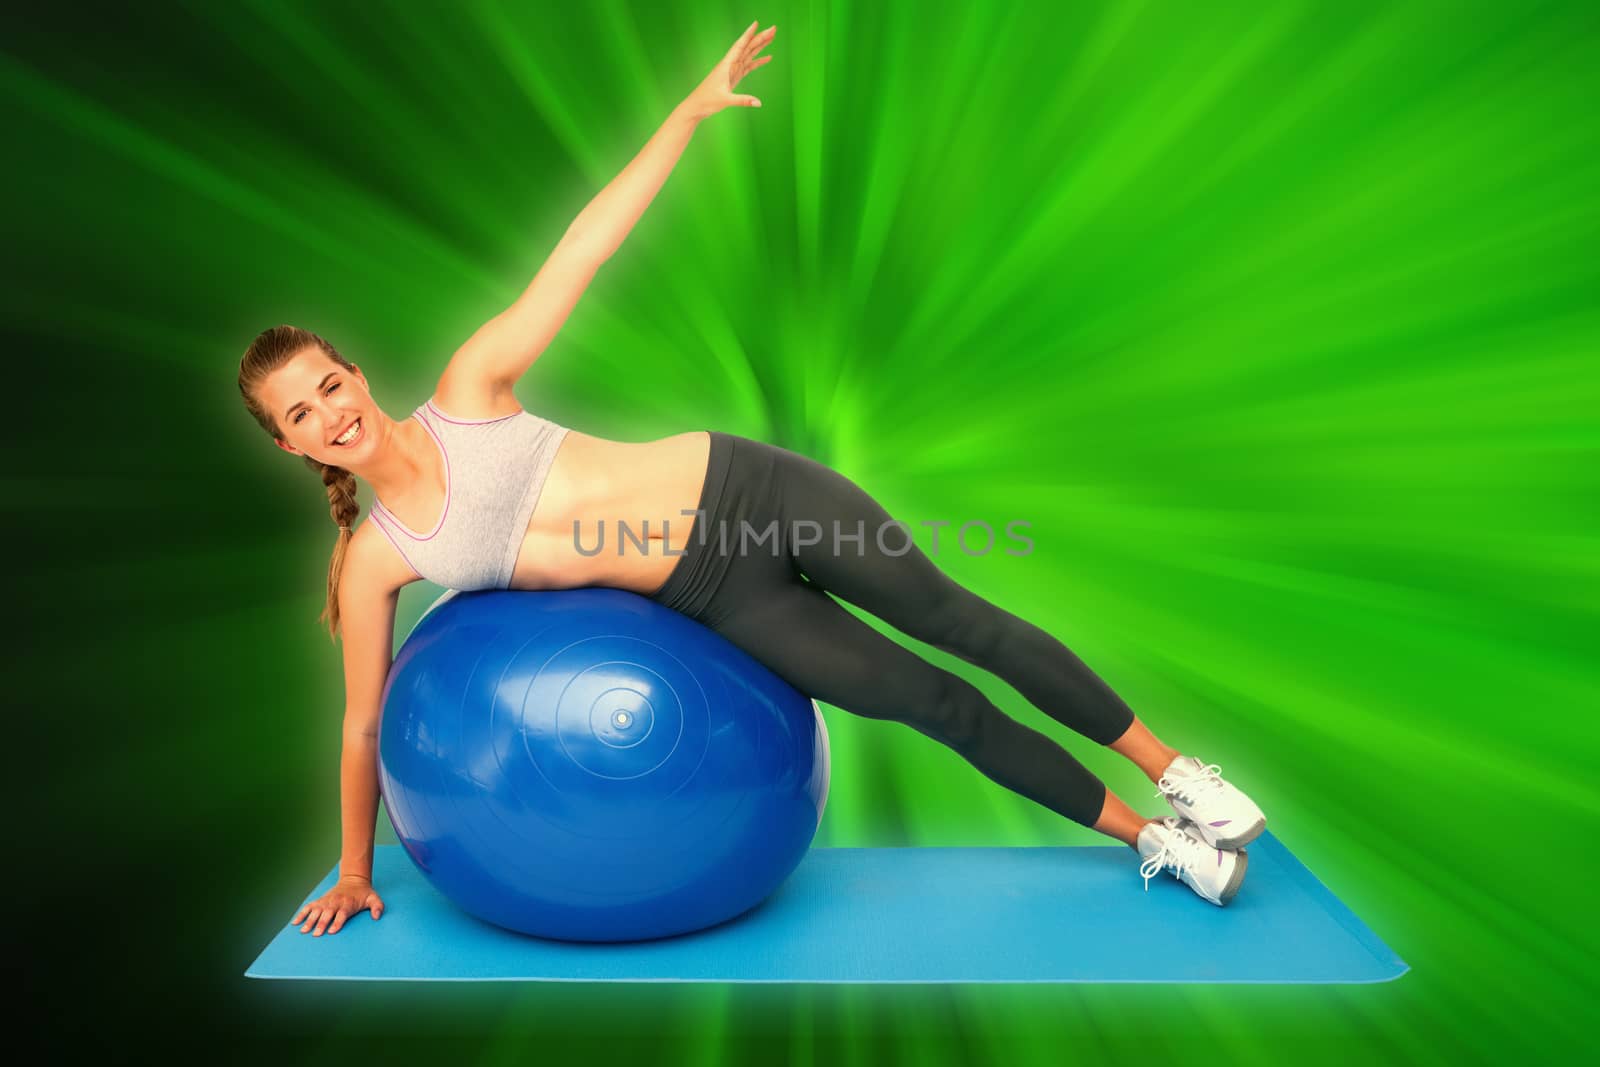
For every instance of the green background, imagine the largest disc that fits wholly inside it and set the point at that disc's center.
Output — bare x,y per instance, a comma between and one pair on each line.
1277,321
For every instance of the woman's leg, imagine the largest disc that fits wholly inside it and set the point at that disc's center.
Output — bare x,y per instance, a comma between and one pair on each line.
912,594
1145,750
812,642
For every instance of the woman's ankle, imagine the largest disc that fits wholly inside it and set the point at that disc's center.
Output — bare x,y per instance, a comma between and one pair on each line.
1119,821
1158,766
1144,750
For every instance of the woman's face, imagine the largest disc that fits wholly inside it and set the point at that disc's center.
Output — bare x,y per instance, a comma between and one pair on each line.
316,403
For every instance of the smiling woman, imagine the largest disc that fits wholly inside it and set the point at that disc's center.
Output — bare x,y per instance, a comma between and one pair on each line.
315,417
475,493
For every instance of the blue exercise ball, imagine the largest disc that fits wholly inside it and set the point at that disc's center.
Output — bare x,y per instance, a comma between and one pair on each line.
589,765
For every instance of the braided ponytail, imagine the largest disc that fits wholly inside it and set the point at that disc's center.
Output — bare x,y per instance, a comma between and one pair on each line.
270,350
342,505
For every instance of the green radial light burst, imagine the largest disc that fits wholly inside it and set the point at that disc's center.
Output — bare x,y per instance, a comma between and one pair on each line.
1277,323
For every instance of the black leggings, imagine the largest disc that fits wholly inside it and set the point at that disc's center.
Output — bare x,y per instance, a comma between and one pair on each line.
760,584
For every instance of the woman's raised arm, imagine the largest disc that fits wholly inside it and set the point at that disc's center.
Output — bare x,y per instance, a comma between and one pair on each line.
502,349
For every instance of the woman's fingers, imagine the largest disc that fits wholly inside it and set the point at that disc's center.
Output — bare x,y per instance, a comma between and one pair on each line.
742,69
738,47
319,915
746,47
754,48
748,61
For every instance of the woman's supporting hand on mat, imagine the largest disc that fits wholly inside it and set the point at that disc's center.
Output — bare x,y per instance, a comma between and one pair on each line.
716,92
349,896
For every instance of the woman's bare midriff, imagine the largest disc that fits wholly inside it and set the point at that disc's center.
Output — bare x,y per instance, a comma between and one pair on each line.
646,486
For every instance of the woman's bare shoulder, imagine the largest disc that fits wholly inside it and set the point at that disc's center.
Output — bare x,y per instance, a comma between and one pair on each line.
374,562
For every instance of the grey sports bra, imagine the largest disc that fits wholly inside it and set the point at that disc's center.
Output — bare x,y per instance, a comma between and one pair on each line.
494,472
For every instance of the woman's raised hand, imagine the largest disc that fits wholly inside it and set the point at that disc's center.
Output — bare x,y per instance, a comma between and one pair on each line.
716,92
349,896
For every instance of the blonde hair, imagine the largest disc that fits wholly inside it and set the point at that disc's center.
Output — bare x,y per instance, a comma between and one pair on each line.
270,350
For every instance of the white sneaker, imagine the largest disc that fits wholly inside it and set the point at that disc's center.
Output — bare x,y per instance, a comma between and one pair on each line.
1224,816
1172,844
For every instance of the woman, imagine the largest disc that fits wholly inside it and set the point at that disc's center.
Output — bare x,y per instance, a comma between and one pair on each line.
474,492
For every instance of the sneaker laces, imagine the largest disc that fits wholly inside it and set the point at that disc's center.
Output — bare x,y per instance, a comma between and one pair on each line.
1191,787
1180,851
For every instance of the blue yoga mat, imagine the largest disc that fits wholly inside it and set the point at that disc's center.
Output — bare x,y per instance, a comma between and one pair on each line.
1047,914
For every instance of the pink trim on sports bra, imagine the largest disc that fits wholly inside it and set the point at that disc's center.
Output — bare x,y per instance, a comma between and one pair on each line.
431,406
383,528
392,517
